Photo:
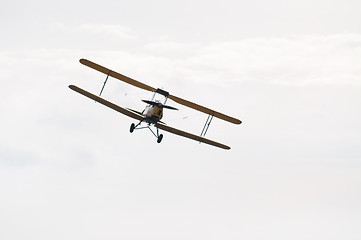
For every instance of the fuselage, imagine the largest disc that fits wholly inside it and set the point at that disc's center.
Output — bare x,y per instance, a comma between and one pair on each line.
153,113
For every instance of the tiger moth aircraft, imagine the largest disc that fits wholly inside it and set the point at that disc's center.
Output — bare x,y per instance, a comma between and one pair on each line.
153,112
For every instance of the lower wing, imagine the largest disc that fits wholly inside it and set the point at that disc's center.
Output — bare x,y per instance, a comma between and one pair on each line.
139,117
107,103
191,136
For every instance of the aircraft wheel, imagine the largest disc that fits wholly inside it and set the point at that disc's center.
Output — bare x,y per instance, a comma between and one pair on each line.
132,127
160,137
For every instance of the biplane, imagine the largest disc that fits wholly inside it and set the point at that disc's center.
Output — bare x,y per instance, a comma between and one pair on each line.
153,112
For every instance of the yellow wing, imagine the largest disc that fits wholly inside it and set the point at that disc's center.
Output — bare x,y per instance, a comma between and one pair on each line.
107,103
204,109
166,94
191,136
116,75
141,118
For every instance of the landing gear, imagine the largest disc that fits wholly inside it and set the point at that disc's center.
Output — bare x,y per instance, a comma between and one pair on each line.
157,135
160,137
132,127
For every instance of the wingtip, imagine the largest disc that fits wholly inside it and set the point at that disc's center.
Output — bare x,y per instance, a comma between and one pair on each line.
72,87
82,60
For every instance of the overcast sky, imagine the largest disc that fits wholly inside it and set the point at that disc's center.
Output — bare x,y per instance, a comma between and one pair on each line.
290,70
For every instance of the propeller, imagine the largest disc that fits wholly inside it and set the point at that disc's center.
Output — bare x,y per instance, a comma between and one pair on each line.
160,105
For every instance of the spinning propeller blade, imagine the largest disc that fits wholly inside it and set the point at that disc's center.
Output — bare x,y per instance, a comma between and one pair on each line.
150,102
160,105
170,107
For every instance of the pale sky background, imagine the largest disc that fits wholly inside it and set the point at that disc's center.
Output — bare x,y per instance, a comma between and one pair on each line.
290,70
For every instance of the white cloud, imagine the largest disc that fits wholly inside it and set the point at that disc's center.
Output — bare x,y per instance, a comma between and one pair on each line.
70,169
108,29
191,71
305,60
72,161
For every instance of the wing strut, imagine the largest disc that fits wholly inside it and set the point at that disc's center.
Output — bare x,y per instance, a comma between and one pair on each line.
104,84
206,125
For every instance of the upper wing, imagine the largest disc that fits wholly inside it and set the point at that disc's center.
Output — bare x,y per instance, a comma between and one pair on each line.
204,109
191,136
116,75
107,103
149,88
